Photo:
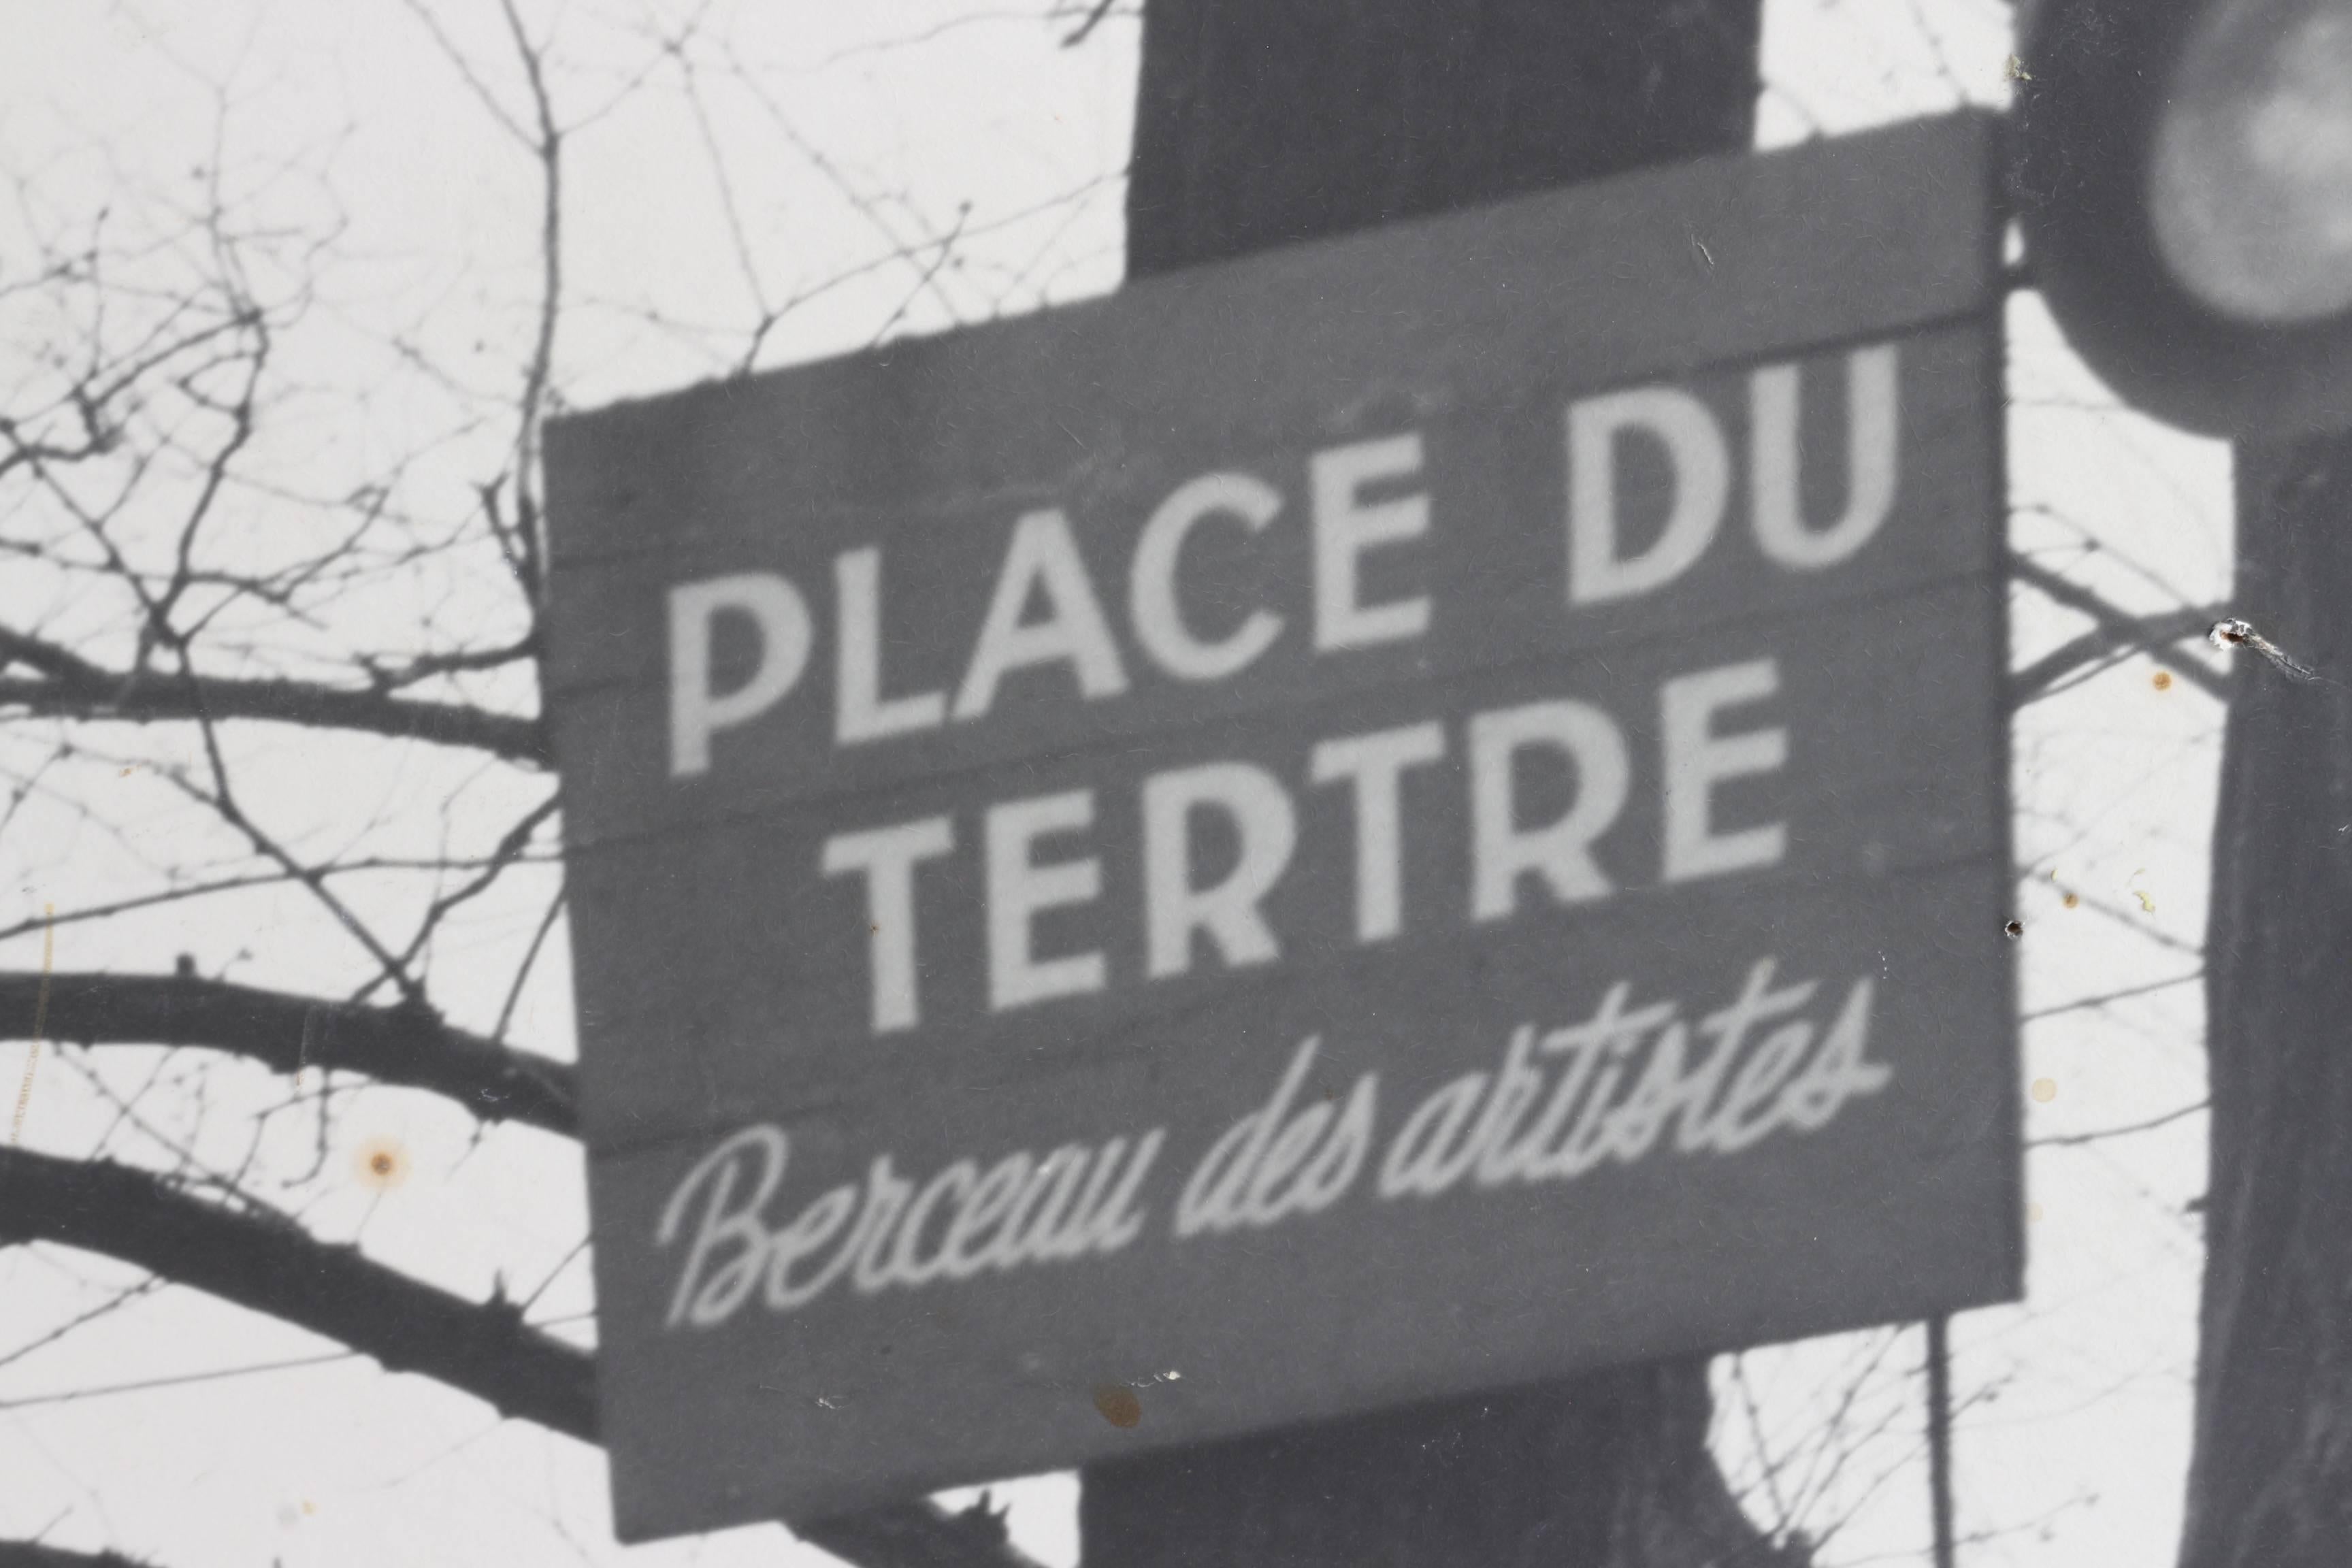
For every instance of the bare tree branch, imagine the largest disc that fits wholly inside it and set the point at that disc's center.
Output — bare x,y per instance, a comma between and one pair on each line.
223,801
374,865
2117,628
82,691
33,1554
265,1262
2076,1140
547,149
916,1535
467,73
2134,633
508,852
1093,19
408,1045
2080,1004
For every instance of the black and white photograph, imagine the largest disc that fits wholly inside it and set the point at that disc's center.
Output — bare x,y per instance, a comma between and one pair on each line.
1176,784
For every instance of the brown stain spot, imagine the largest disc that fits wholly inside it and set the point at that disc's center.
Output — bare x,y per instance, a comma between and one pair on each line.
2045,1089
2161,680
2034,1214
2014,929
2072,901
1117,1404
381,1164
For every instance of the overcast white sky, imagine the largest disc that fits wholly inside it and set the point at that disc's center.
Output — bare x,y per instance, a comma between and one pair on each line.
965,116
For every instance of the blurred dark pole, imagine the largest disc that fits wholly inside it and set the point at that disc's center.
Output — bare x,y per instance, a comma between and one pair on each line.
1939,1440
2270,1481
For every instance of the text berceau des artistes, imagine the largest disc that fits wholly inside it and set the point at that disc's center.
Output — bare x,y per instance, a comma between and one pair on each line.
1628,1084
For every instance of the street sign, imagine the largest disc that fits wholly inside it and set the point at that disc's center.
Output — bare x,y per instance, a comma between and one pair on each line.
1398,816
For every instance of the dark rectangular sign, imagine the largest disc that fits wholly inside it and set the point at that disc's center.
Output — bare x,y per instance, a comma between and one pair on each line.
1398,816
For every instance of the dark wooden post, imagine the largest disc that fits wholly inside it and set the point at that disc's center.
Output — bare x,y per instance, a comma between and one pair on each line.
2270,1480
1261,123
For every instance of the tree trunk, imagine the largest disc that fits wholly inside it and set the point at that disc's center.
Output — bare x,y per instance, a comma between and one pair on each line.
2271,1483
1261,123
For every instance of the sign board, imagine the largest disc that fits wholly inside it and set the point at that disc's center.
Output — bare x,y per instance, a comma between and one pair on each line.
1398,816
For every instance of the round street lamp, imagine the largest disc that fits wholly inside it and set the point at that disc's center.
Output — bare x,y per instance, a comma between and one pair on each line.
2183,170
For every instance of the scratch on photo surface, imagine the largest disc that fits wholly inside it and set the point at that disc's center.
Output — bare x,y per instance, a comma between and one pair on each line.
2233,632
40,1022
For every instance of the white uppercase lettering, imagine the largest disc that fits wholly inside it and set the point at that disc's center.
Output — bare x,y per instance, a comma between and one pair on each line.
1696,760
1374,762
1345,527
1158,617
1560,851
1227,911
860,710
1775,443
1701,471
776,609
1043,555
887,856
1019,889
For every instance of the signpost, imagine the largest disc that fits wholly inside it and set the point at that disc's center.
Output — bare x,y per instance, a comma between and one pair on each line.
1389,818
